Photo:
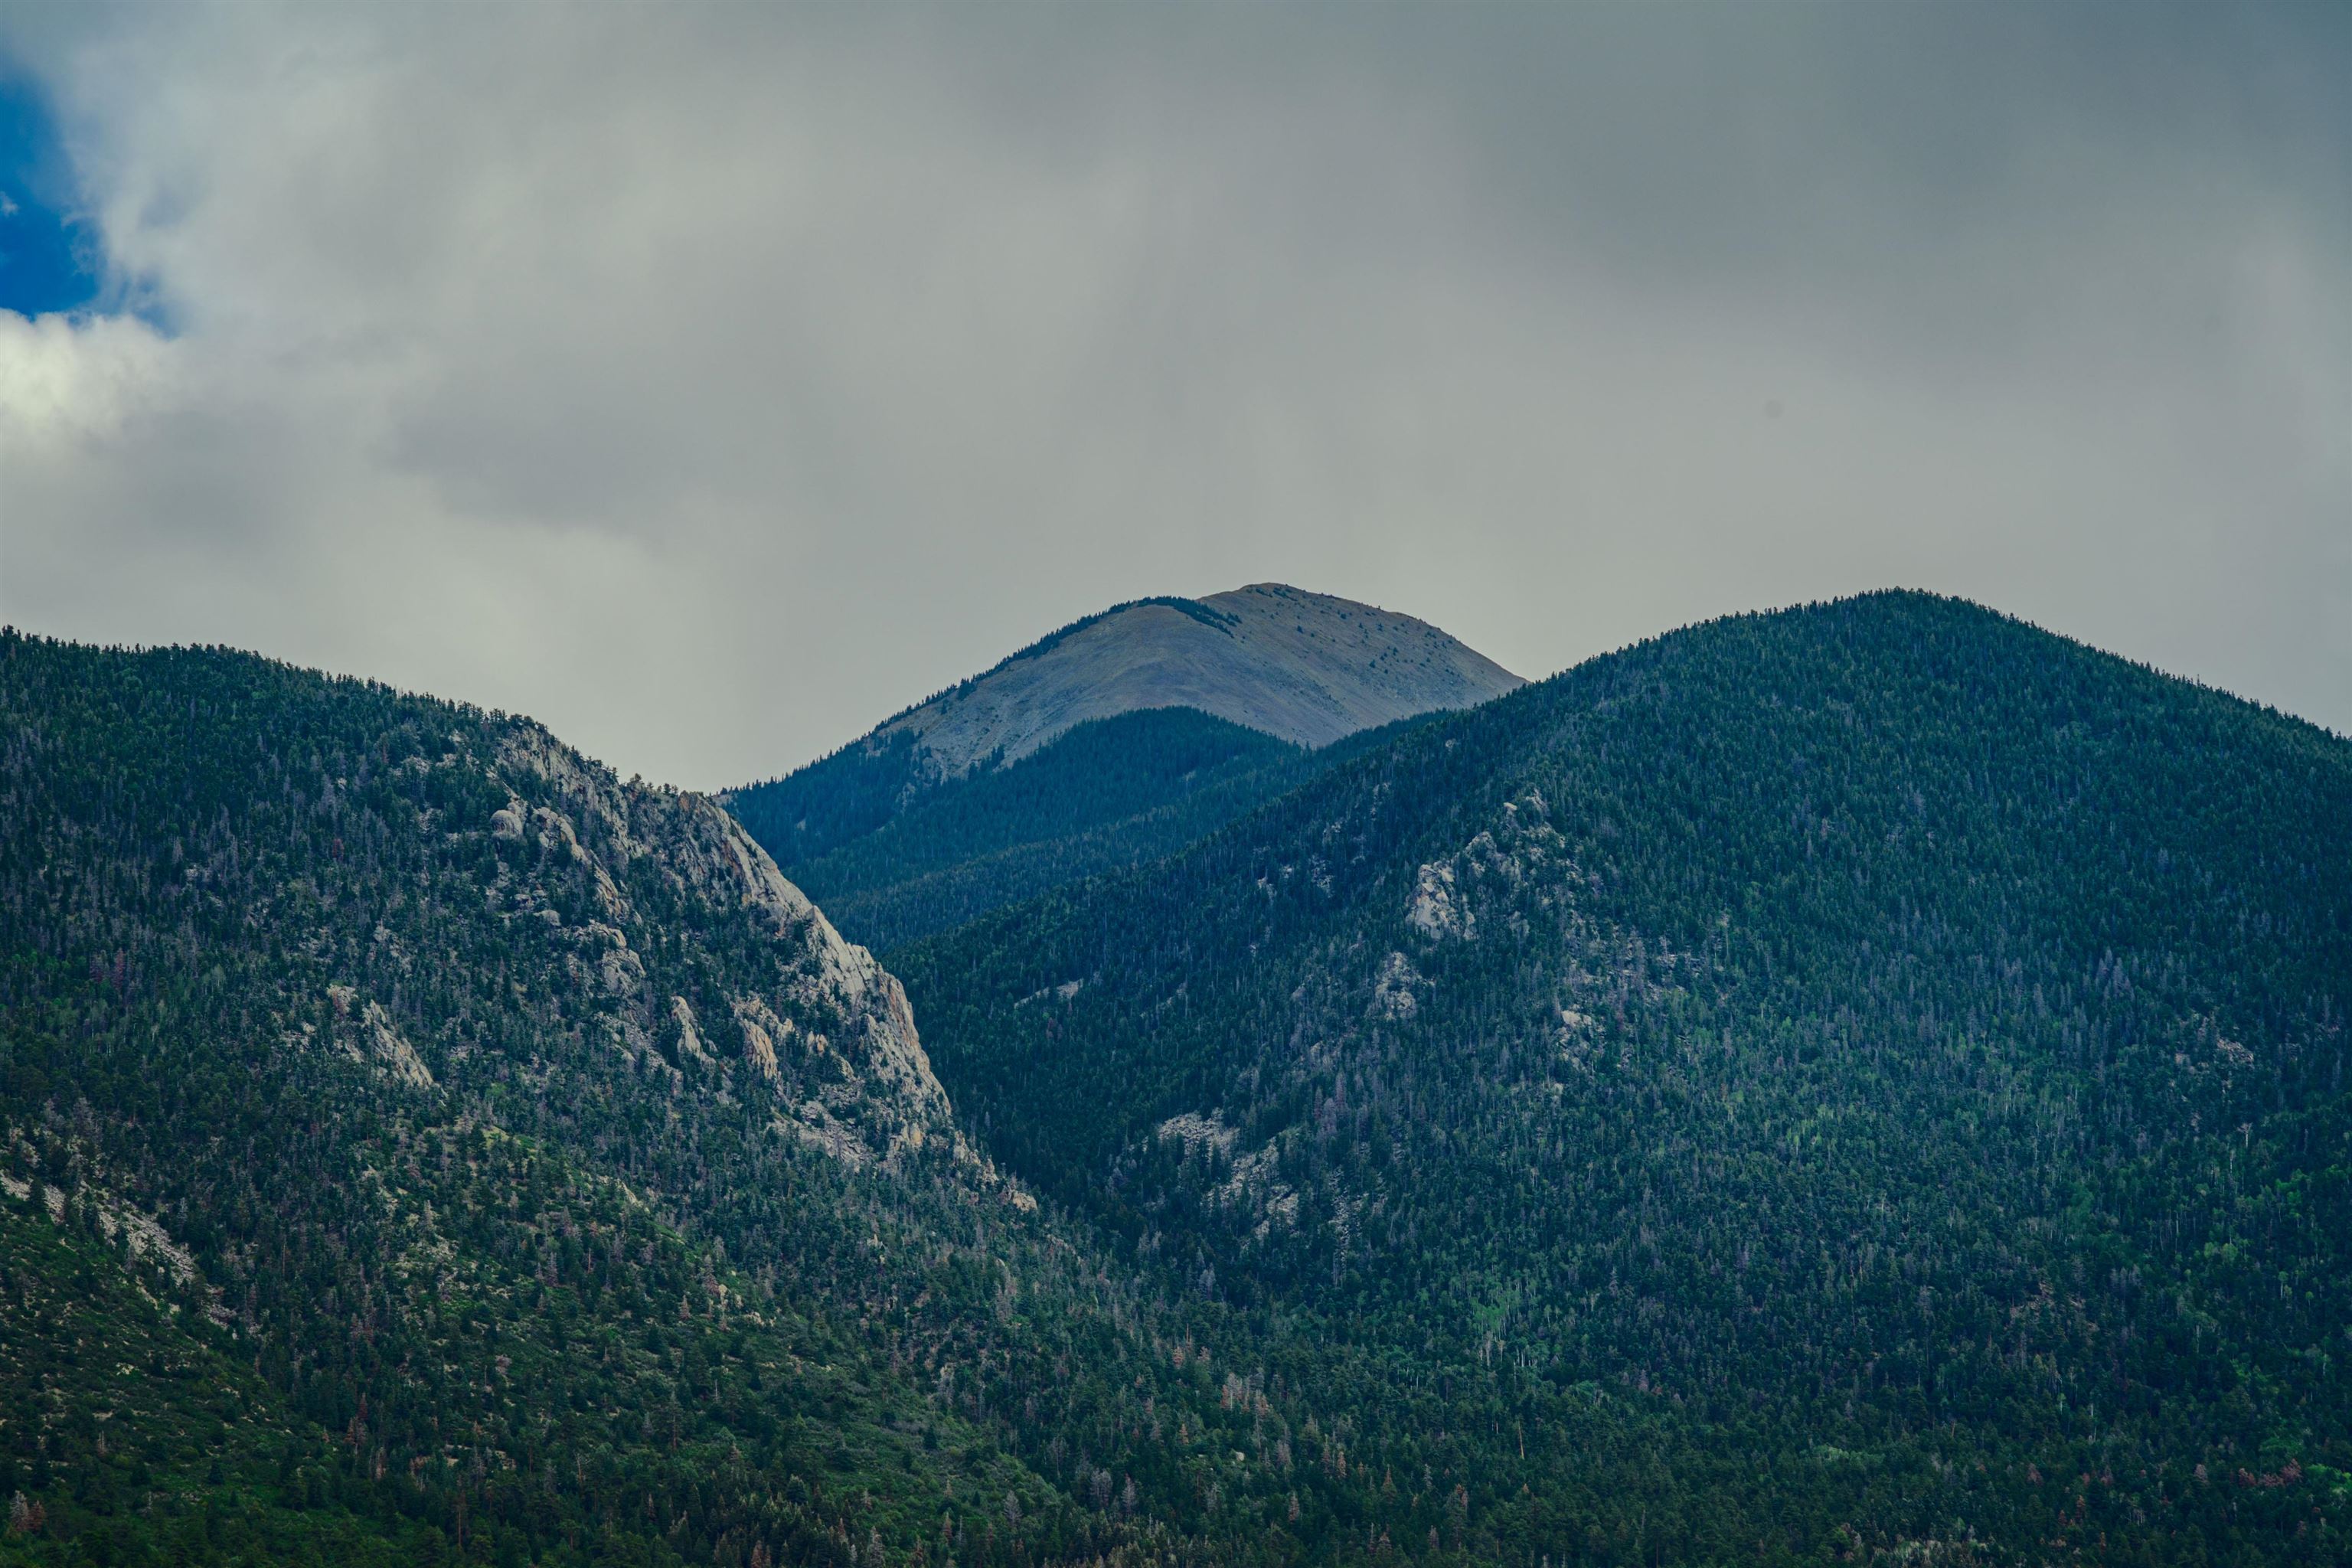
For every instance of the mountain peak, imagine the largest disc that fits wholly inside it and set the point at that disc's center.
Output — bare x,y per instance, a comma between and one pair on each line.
1114,739
1308,668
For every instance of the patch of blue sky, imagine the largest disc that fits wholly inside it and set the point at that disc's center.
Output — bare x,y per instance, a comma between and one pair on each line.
52,257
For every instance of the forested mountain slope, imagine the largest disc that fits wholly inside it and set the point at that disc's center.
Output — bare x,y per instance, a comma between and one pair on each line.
1109,794
422,1147
1116,740
1897,1052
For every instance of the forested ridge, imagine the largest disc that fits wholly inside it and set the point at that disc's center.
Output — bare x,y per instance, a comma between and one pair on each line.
1900,1049
422,1147
894,854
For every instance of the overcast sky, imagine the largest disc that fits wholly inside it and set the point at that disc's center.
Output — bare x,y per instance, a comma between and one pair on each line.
710,383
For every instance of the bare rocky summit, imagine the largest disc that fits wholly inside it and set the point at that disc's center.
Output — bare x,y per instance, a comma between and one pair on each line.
1117,739
1308,668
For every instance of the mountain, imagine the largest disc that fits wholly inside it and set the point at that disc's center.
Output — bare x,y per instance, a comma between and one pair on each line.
1117,739
1880,1062
407,1038
1860,1084
418,1146
1307,667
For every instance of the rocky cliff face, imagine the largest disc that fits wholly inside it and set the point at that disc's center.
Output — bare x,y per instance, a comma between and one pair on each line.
1306,666
814,1017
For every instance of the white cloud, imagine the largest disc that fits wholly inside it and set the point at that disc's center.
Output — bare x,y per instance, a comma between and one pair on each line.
710,383
66,379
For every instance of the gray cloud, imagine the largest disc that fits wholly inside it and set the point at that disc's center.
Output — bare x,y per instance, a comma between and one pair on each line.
710,383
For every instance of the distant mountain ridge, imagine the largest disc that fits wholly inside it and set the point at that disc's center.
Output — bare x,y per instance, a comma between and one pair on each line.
1307,667
1118,737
